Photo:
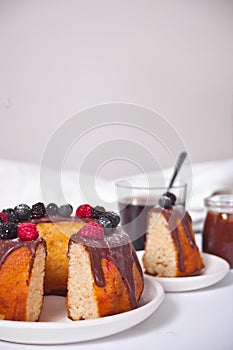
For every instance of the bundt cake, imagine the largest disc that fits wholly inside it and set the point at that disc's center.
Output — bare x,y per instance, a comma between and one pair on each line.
105,276
22,267
34,261
170,248
56,226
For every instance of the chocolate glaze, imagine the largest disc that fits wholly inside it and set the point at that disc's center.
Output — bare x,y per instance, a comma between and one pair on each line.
55,218
174,216
113,247
7,246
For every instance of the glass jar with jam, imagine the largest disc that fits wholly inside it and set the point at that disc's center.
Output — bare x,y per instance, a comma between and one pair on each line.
218,227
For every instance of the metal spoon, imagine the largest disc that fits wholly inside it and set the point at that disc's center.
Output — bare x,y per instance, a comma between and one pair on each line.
179,163
168,199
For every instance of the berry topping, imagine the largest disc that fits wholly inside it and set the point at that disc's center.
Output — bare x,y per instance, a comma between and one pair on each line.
92,230
10,213
65,210
27,232
8,230
105,223
84,211
38,210
97,212
3,217
113,217
52,209
167,200
22,212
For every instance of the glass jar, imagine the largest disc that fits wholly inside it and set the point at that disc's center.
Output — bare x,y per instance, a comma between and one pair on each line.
218,227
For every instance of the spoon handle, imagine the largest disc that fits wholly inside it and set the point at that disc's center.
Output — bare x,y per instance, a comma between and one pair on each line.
180,161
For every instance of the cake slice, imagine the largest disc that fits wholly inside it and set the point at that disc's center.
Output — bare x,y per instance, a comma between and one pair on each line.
22,267
170,248
105,277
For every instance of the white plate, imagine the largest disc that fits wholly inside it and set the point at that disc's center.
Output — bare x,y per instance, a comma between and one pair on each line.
215,269
55,328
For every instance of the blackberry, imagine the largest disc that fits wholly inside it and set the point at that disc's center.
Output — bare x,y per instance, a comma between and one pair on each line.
65,210
113,217
38,210
8,230
10,213
52,209
23,212
105,223
97,212
1,220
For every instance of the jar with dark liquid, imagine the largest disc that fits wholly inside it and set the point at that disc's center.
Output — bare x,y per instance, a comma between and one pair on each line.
134,217
218,227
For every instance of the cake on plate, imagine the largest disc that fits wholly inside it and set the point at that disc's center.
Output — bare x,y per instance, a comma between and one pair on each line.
22,268
44,250
105,276
170,247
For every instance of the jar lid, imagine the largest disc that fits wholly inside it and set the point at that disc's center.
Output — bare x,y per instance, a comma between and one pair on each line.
224,201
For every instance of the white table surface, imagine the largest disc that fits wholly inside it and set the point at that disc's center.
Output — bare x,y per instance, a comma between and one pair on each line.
201,319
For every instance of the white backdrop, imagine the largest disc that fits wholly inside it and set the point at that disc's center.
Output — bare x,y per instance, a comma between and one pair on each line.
60,57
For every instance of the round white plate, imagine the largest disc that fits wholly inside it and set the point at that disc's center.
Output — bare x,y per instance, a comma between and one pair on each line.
55,328
215,269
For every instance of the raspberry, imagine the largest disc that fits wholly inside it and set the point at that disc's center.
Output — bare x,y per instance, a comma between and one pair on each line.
8,230
3,217
27,232
84,211
92,230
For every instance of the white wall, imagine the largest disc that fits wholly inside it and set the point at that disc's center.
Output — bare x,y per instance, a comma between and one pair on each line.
59,57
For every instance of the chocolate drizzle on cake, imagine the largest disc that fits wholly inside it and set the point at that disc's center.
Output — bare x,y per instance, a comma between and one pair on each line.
112,248
55,218
7,246
176,216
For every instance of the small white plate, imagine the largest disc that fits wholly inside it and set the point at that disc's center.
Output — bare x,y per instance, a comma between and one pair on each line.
55,328
215,270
